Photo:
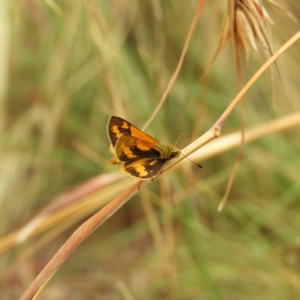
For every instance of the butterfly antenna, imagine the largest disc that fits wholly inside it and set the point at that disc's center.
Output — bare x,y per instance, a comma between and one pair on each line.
180,134
198,165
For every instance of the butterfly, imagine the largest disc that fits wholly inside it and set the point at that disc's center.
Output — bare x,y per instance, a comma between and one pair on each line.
140,155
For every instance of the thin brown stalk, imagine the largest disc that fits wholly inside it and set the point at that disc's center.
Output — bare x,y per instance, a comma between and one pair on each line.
254,78
180,61
241,148
75,240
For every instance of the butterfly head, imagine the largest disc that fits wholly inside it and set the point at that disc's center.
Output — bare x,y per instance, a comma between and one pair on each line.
169,152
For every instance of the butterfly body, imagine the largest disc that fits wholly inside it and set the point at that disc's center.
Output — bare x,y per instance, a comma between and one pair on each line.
140,155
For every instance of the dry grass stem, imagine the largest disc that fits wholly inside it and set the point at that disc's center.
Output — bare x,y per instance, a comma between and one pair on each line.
76,238
179,65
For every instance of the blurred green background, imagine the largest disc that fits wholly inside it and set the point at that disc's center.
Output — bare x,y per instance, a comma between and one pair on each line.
65,68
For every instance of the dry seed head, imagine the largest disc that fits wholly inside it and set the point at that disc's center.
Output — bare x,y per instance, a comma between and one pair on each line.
246,21
249,26
245,24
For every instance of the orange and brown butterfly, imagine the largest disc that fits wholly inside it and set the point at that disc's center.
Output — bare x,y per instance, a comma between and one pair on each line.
140,155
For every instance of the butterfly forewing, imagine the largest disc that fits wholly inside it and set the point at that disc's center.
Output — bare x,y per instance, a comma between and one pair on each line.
118,127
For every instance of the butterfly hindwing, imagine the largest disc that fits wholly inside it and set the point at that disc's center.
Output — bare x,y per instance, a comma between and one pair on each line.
146,168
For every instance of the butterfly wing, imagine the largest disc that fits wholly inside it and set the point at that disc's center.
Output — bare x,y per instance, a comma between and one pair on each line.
146,168
137,151
131,149
118,127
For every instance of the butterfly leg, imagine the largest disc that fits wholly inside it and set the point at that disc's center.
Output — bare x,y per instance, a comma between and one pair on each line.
139,187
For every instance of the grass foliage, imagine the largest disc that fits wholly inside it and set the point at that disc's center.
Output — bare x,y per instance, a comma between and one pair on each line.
66,68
